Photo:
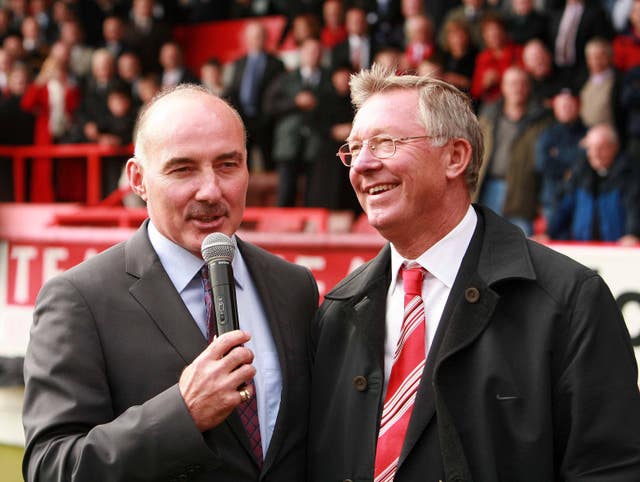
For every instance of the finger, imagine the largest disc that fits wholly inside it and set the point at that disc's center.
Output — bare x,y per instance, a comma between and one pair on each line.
239,355
224,343
242,376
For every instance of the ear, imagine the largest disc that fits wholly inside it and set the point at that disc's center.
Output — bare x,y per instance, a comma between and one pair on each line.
135,174
459,159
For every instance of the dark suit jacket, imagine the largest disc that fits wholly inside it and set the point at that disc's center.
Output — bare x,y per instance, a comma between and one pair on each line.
273,68
298,135
531,375
341,54
595,22
109,340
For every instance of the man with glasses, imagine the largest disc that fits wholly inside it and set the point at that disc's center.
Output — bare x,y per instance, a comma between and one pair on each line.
463,351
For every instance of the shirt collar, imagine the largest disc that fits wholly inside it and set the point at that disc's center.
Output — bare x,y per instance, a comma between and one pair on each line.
182,266
444,258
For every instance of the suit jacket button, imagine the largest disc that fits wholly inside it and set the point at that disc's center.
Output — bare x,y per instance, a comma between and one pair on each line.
347,480
472,295
360,383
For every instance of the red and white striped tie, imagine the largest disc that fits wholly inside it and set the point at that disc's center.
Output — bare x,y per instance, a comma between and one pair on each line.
408,364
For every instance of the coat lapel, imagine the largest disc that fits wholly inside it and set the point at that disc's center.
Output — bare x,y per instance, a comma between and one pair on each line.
157,295
366,288
469,308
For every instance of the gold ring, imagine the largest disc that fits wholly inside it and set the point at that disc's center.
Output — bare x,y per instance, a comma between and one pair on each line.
245,395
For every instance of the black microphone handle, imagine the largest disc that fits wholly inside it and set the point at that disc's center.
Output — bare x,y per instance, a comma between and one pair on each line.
224,301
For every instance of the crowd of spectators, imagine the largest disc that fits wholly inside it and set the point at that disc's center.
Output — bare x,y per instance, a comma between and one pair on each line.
542,75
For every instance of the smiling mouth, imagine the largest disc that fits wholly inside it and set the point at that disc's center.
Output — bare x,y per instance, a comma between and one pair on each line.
380,189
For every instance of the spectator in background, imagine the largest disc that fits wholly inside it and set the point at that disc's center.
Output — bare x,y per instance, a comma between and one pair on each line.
431,67
61,11
601,201
251,74
359,48
545,80
333,30
6,64
571,29
500,54
472,12
5,23
510,128
391,57
211,76
129,70
459,58
558,148
115,129
630,109
19,11
420,44
295,101
174,71
93,108
328,184
53,99
42,13
146,35
12,45
16,125
626,46
113,36
80,54
599,95
525,23
34,43
148,87
303,27
386,19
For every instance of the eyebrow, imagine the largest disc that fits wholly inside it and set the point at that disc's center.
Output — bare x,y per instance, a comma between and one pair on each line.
374,133
178,161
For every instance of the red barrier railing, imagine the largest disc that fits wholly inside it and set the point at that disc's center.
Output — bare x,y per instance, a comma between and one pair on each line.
92,153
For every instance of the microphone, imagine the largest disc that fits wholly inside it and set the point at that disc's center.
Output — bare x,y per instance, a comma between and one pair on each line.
218,251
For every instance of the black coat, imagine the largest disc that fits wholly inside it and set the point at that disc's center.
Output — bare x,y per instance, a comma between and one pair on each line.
531,375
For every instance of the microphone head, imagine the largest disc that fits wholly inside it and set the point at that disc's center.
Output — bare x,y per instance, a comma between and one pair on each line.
217,246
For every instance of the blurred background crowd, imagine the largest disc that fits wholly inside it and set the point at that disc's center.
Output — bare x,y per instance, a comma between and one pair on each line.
556,86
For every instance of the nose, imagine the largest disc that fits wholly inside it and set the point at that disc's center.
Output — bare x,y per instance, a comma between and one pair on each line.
208,187
365,161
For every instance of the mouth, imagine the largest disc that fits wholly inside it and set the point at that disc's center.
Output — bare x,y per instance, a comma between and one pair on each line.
379,189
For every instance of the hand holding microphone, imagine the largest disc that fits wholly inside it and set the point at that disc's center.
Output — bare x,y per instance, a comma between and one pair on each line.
215,382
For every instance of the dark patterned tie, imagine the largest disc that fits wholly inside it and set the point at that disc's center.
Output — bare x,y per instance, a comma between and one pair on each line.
248,410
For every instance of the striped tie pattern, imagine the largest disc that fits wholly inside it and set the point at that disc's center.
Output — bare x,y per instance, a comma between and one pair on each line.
408,364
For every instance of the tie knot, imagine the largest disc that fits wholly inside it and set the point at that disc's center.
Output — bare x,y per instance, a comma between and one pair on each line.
412,277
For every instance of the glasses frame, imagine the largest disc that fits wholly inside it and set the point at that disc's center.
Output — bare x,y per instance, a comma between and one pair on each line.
365,142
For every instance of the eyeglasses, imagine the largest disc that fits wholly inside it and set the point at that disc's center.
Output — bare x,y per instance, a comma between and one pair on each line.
381,147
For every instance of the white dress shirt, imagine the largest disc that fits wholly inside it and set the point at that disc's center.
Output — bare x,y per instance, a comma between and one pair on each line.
183,269
442,262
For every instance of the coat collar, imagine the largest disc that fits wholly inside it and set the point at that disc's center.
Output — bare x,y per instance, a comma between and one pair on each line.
504,255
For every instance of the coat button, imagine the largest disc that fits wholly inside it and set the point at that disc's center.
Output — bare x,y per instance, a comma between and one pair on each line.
360,383
347,480
472,295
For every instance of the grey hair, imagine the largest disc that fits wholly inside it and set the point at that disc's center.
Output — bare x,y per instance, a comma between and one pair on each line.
445,112
143,115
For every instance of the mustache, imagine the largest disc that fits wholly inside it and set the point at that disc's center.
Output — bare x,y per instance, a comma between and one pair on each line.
207,211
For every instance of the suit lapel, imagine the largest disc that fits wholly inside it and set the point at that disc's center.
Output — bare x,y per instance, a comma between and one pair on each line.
272,295
157,295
